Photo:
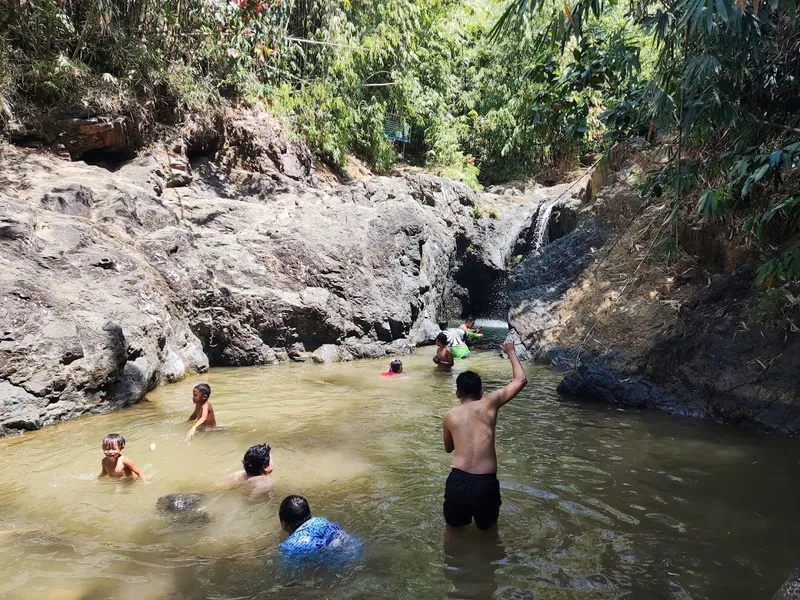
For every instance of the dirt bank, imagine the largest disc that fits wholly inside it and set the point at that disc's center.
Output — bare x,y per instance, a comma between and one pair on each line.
694,338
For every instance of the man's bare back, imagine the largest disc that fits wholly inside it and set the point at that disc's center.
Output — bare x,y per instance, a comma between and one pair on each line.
472,489
471,427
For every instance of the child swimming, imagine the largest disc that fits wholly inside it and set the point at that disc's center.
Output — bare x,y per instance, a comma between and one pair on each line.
203,411
114,464
258,465
444,356
395,368
312,536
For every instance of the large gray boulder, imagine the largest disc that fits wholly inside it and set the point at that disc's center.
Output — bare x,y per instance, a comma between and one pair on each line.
114,283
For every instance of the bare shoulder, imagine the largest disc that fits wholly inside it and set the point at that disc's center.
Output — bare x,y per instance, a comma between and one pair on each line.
450,414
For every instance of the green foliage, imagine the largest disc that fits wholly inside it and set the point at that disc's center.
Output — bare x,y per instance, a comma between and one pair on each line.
335,70
171,55
723,88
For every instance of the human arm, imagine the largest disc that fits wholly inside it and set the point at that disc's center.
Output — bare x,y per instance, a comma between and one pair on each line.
449,444
102,470
200,421
129,464
518,381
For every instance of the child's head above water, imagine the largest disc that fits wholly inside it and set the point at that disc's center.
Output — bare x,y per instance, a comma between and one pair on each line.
201,393
441,339
469,386
113,444
257,460
293,512
396,366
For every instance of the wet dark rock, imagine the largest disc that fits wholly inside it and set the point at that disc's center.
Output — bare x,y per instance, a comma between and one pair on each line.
184,507
706,364
538,283
180,502
790,590
708,367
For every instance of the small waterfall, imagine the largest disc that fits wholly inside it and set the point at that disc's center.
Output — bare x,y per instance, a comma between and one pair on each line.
542,232
491,323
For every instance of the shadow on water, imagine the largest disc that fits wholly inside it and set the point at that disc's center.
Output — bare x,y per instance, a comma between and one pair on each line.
472,559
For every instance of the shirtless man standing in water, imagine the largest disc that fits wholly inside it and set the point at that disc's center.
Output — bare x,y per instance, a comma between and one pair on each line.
472,489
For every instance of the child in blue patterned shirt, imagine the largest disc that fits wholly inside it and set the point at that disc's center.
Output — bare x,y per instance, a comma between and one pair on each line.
312,536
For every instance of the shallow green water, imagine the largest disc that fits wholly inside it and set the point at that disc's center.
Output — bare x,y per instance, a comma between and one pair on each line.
597,502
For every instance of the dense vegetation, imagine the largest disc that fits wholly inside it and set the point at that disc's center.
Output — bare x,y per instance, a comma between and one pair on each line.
488,89
335,69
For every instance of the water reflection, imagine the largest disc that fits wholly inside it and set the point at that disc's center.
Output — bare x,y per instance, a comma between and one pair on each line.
472,558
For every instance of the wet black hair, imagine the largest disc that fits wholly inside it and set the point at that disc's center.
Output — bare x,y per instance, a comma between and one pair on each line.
469,319
442,338
256,459
294,511
395,366
469,385
204,388
442,325
113,440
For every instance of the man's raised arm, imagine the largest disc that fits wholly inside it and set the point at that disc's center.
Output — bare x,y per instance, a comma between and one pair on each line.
518,379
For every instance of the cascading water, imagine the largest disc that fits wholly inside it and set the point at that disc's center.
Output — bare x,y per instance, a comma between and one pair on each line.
542,231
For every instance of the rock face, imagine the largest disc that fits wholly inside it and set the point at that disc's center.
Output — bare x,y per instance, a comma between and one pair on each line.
113,282
631,331
184,508
791,589
540,281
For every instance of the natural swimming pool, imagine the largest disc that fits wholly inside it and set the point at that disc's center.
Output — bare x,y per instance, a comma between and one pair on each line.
597,502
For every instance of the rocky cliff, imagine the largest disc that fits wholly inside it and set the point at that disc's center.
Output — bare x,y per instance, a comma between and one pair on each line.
224,251
695,338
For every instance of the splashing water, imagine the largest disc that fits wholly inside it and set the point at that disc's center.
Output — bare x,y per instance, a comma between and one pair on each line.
542,231
491,323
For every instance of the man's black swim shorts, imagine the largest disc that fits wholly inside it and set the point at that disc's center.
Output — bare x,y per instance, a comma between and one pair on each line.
468,496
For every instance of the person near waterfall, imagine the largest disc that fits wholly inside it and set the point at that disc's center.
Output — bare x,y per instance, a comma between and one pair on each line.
456,341
471,333
472,490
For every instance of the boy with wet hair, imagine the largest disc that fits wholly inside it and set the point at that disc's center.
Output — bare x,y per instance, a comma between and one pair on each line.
258,466
472,489
203,411
444,356
311,536
468,327
114,464
395,368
